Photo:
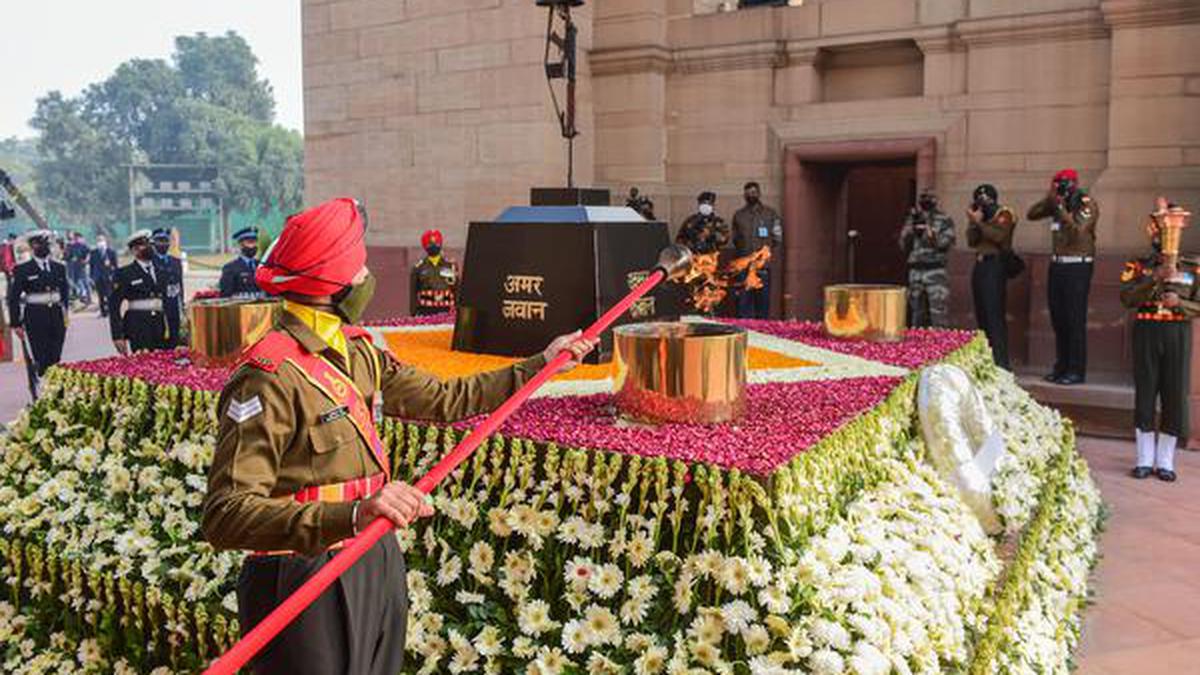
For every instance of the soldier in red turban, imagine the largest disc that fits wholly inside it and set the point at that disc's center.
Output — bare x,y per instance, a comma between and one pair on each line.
1073,215
433,284
299,466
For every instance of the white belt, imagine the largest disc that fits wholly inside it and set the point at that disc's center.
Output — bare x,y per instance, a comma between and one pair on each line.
146,305
47,298
1071,259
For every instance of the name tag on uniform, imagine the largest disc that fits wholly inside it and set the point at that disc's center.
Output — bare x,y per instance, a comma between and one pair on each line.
1055,226
762,232
32,277
135,282
333,415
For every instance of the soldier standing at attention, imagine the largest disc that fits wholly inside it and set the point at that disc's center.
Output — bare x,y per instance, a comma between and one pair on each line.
756,225
1073,215
927,237
237,276
171,269
1163,293
39,297
299,467
434,281
140,289
704,231
990,232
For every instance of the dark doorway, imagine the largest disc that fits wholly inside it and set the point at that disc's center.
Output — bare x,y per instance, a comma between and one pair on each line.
877,195
838,187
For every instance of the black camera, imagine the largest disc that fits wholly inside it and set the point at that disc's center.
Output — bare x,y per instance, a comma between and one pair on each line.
1062,187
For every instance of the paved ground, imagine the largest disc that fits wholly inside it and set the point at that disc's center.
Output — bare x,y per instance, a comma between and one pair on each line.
1146,619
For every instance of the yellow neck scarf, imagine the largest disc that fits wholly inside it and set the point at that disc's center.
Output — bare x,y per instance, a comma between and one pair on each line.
326,326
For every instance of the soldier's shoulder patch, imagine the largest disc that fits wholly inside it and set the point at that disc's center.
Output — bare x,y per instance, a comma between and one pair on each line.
240,411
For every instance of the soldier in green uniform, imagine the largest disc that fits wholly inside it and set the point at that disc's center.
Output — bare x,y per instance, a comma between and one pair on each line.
434,280
927,237
704,231
1073,215
990,227
299,467
1164,296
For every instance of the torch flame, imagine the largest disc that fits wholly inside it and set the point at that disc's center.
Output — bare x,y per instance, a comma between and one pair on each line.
710,283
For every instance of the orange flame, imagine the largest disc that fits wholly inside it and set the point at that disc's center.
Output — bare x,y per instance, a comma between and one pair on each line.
710,284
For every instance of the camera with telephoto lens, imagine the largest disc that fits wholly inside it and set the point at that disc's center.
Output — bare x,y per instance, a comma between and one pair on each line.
1062,187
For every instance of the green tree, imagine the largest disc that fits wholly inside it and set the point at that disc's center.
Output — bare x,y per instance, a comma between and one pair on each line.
223,70
206,106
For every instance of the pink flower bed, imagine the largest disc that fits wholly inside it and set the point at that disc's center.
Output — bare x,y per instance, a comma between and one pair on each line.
919,347
782,420
163,368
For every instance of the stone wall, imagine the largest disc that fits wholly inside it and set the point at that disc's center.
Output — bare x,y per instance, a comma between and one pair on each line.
436,111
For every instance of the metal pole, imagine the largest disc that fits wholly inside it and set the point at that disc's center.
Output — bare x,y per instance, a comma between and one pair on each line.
132,203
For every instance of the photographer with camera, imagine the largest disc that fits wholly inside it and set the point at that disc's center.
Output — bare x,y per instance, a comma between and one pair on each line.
990,232
927,237
1073,215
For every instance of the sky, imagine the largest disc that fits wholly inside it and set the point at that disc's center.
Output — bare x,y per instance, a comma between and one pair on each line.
69,44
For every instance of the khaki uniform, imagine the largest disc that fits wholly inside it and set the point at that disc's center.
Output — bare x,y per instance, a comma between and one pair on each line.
433,287
992,241
1073,230
283,434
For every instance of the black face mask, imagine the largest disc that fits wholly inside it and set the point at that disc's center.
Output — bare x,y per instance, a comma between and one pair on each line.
433,250
752,200
928,204
249,251
41,250
144,253
162,248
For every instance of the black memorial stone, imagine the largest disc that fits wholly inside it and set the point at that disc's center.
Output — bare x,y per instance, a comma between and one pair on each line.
541,271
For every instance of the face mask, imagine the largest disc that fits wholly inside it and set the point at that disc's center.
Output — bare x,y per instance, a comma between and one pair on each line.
354,299
40,250
162,248
706,209
102,244
928,204
434,250
249,251
751,199
144,253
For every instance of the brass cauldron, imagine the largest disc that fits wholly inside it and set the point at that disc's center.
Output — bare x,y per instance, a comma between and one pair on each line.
874,312
222,328
680,372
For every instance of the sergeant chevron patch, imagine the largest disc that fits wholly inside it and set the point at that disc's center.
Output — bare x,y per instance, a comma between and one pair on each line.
240,411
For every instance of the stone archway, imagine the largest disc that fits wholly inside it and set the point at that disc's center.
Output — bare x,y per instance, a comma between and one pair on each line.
814,195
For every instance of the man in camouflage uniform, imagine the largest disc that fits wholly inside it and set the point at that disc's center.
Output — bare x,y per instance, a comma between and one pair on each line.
299,467
927,237
1073,215
1164,296
704,231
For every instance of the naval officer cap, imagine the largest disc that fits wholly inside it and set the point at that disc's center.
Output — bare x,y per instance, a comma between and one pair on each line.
139,237
39,235
161,234
246,233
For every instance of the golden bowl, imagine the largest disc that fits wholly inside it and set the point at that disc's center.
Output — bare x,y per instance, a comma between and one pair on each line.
221,328
875,312
694,373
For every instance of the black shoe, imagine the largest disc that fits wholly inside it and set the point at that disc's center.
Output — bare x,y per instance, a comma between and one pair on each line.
1165,475
1054,377
1140,472
1070,380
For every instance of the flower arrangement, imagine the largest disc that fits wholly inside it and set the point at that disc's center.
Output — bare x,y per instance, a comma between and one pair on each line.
810,537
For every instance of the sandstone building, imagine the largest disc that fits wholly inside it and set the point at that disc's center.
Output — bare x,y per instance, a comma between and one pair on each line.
436,113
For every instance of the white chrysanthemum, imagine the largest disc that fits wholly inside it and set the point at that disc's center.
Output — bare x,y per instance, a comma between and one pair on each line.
606,581
757,639
489,642
738,615
533,618
602,625
482,557
775,600
826,662
652,661
578,573
576,636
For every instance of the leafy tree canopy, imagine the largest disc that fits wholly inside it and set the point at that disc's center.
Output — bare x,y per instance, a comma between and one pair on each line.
207,105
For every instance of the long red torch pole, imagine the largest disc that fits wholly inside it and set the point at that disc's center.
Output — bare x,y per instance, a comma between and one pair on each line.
297,602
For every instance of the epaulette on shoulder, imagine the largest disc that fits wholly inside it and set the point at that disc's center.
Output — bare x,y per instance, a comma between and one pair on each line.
269,352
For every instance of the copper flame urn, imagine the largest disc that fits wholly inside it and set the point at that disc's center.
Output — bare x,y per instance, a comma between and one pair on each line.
692,373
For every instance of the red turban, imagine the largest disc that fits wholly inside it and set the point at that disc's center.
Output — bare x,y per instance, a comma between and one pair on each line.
318,253
431,237
1067,174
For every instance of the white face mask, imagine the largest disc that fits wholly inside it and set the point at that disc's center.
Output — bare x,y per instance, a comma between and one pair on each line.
706,209
102,244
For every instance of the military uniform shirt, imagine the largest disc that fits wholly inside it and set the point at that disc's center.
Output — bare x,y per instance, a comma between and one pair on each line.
993,236
928,248
279,434
237,278
1140,290
1074,229
433,285
703,234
